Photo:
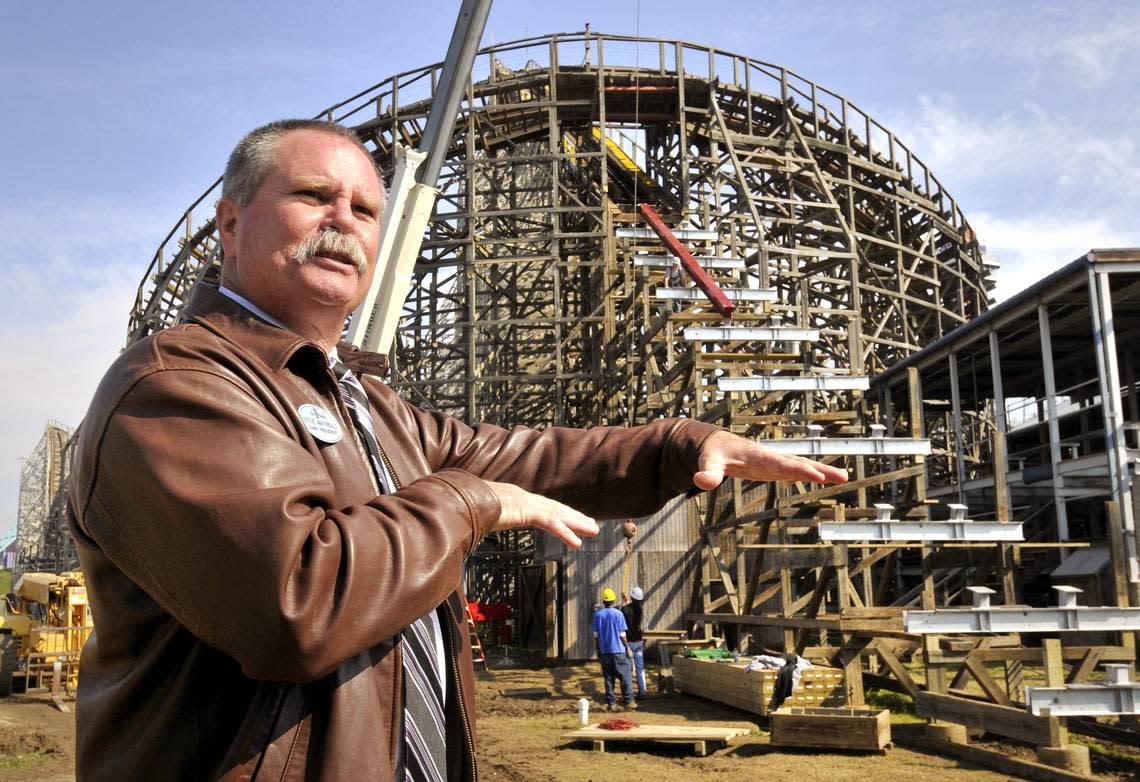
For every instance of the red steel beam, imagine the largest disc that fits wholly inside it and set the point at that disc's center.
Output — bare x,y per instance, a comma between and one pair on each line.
716,296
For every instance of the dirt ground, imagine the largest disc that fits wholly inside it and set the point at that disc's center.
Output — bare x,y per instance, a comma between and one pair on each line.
37,740
520,741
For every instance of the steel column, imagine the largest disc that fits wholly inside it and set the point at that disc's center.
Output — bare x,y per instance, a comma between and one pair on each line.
1058,481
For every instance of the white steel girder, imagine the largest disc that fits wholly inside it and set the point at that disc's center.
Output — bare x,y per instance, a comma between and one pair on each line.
957,529
692,234
981,618
1118,695
751,333
850,446
706,261
732,294
794,383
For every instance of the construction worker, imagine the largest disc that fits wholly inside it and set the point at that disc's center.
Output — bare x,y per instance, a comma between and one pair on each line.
632,611
675,278
608,626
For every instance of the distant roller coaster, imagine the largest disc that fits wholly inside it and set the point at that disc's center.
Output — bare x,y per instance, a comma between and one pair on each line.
541,296
513,314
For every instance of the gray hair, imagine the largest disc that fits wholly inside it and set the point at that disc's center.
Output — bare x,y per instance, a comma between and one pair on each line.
249,162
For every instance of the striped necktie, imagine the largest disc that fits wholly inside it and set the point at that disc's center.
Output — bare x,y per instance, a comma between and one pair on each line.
425,750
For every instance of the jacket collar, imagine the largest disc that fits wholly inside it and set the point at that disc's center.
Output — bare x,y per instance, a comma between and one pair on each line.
275,346
234,323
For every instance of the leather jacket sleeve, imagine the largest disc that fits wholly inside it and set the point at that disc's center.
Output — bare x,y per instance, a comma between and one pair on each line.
197,491
194,485
605,472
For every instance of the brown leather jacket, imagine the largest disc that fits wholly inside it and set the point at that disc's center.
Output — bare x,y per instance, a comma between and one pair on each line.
246,579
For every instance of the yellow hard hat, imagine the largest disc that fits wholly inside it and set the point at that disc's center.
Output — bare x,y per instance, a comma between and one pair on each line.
608,595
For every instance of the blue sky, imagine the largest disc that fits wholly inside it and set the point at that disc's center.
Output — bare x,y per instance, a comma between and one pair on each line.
117,115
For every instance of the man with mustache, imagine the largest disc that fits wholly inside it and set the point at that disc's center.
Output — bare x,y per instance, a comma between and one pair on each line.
273,541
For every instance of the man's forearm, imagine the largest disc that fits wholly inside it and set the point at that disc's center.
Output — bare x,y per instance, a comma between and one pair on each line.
659,458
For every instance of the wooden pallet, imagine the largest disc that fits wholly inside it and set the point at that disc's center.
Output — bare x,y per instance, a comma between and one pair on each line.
703,739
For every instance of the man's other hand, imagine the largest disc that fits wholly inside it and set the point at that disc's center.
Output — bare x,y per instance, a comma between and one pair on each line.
523,509
725,454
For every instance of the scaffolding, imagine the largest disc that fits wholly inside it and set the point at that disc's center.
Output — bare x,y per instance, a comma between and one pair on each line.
43,542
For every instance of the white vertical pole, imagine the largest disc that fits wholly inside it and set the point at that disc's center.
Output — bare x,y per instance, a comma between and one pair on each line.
1104,335
999,407
956,407
1054,426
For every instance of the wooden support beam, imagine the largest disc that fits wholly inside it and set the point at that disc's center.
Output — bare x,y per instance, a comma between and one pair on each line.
1118,555
850,659
959,680
835,491
897,669
723,571
816,600
1055,677
986,682
1080,673
1006,721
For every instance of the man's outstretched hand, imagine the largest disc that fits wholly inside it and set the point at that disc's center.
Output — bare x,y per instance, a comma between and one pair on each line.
723,454
728,455
521,508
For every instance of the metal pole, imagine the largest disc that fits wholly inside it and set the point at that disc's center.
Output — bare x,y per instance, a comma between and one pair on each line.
1002,497
1104,334
1054,426
436,139
956,404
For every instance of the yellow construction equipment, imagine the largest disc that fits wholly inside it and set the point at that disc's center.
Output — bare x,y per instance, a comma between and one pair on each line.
42,632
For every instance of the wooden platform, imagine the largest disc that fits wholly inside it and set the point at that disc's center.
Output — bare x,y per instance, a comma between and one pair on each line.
704,739
728,682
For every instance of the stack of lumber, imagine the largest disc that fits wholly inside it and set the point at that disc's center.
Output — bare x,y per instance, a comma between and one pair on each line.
728,682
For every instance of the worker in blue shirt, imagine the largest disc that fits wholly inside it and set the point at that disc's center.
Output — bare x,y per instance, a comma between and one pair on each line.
609,628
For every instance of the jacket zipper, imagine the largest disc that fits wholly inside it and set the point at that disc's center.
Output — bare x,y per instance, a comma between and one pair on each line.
388,466
467,733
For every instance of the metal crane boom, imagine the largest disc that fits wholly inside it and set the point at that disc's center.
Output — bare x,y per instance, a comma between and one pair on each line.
412,193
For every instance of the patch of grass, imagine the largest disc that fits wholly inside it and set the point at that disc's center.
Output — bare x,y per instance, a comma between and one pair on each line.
22,760
901,706
5,584
1096,748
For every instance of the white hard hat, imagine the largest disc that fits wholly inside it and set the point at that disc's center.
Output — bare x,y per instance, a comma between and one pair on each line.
636,593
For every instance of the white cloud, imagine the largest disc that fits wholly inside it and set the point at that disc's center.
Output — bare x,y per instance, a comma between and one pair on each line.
69,281
1039,188
61,357
1085,46
1094,47
1018,147
1031,247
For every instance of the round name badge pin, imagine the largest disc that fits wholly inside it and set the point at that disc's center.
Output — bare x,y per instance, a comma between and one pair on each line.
320,423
